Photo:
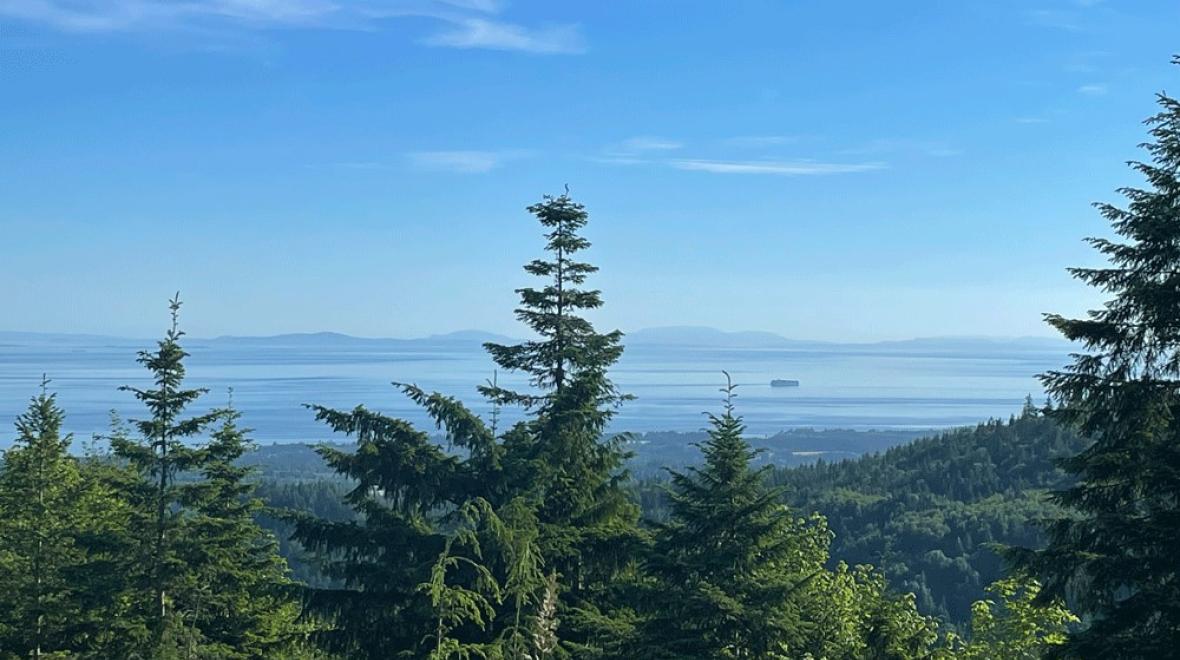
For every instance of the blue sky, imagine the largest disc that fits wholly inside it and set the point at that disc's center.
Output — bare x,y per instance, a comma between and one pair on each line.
822,169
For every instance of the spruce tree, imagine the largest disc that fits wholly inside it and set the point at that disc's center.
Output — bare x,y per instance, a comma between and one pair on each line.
156,459
549,489
200,578
403,485
1112,556
559,457
238,594
47,509
568,348
731,568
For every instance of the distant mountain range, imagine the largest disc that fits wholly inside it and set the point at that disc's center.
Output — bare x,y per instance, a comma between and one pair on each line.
702,336
338,339
692,335
302,339
671,336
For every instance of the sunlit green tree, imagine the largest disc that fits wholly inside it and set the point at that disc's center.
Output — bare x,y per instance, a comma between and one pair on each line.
1112,554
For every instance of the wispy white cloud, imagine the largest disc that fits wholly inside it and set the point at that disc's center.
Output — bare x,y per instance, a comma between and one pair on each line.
1088,61
356,165
496,35
489,6
934,148
658,152
636,150
465,23
131,15
463,161
781,168
1093,89
759,141
648,143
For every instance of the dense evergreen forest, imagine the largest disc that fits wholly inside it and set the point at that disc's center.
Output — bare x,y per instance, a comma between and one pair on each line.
933,513
533,540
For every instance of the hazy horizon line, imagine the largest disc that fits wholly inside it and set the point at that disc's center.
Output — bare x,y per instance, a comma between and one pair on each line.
715,332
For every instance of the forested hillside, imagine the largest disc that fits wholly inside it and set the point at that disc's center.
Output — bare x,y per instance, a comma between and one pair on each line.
928,513
650,452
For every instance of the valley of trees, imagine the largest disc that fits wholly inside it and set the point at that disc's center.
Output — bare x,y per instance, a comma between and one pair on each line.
1048,535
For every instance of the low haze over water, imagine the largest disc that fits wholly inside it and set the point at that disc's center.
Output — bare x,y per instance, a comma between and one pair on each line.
921,384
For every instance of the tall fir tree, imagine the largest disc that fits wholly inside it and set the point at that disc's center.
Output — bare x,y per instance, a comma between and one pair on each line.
559,457
155,460
1112,555
403,485
551,482
237,594
731,568
48,510
200,578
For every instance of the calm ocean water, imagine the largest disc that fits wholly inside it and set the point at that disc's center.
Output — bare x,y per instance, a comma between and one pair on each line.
841,387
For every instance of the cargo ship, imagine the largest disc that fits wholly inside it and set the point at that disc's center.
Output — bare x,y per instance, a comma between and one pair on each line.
782,382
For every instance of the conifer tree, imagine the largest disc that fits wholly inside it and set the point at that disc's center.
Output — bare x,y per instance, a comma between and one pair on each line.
238,594
551,481
559,457
156,459
731,567
114,581
403,486
47,509
200,578
1112,556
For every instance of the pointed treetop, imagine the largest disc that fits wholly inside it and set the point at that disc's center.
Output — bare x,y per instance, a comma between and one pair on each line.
174,310
730,393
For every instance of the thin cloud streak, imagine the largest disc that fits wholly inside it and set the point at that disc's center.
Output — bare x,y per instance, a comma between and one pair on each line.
470,23
759,141
494,35
902,145
463,161
648,143
780,168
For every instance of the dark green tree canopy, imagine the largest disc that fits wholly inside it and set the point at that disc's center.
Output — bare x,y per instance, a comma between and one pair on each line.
1113,554
547,490
41,522
199,576
568,348
731,567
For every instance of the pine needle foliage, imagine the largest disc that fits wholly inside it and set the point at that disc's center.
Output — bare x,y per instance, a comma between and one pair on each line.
237,592
551,481
403,487
157,456
1112,556
731,567
49,510
559,457
199,578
